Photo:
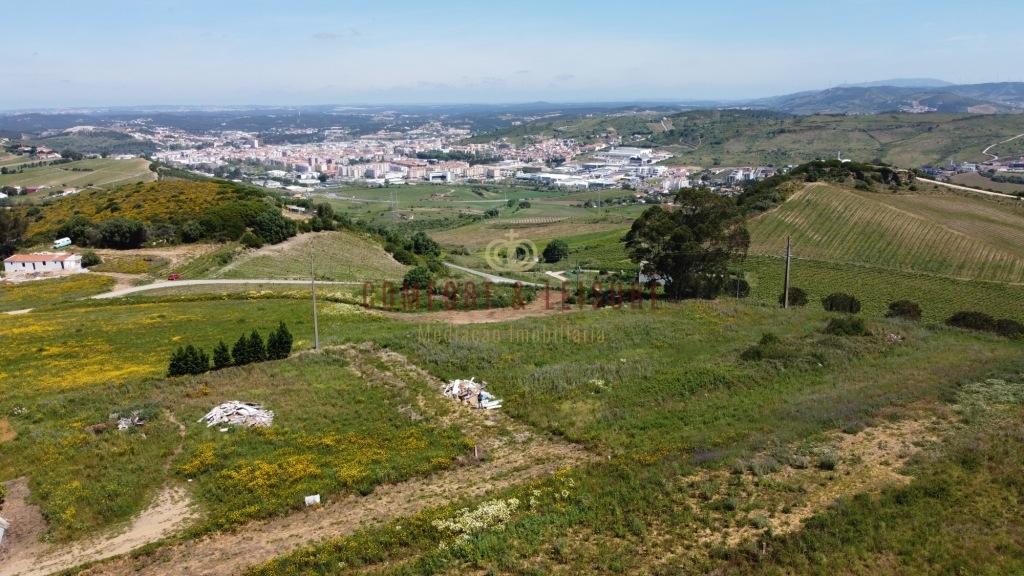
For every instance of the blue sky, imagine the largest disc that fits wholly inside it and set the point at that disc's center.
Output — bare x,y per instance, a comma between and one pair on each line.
100,52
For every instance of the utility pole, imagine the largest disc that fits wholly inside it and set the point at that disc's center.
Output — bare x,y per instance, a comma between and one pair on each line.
789,262
312,287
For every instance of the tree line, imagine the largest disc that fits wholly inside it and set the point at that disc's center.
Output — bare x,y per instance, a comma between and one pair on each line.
248,349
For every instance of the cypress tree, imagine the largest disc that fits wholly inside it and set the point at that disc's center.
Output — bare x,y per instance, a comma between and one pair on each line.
204,361
257,351
240,351
221,356
176,367
279,343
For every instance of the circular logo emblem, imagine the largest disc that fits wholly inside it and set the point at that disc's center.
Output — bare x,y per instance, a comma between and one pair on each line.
511,254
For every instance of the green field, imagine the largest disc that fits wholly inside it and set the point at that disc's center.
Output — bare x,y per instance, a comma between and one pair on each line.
974,180
945,235
81,174
35,293
344,256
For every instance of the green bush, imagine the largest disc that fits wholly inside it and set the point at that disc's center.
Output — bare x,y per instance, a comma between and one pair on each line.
1010,328
847,326
972,321
250,240
555,251
90,259
905,309
122,233
841,302
737,288
770,347
797,297
418,277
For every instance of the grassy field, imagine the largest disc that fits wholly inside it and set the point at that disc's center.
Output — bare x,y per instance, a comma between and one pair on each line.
36,293
974,180
131,264
336,255
936,234
877,287
671,400
100,172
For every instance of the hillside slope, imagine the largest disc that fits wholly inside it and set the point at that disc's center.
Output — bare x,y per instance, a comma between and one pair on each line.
937,234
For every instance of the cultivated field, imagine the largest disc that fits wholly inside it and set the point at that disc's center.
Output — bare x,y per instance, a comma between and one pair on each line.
937,234
82,174
973,180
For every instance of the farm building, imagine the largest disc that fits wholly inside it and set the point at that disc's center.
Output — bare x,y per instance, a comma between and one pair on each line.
43,263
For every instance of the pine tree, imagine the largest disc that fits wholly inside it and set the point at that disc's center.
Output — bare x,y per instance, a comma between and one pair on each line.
257,351
204,362
176,367
240,351
221,356
279,343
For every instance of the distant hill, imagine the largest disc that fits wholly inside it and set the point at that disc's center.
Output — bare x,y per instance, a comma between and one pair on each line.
902,83
879,97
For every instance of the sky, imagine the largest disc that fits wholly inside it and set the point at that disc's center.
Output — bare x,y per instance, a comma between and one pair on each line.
93,53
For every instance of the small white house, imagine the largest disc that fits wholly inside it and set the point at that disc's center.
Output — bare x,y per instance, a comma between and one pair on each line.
61,243
43,263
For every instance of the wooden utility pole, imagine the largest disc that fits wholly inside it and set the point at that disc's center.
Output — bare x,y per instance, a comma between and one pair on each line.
312,288
789,262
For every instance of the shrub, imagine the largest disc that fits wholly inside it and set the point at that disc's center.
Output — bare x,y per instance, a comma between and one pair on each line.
555,251
250,240
90,259
847,326
737,288
840,302
425,245
770,347
828,459
797,297
404,256
972,321
905,309
1009,328
418,277
122,233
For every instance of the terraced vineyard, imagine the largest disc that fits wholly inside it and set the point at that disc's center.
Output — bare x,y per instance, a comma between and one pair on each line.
942,235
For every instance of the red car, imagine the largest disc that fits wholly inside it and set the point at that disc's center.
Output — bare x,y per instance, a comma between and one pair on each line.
174,277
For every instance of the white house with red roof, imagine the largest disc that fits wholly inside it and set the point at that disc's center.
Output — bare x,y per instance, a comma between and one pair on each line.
43,263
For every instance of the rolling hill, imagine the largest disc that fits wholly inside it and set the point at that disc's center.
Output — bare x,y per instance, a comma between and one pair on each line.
943,235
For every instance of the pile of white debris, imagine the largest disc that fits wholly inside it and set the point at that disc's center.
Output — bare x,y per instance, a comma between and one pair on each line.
471,392
239,414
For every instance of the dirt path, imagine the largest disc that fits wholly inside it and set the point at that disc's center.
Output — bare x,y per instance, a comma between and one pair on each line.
297,242
176,255
27,525
506,460
993,157
30,557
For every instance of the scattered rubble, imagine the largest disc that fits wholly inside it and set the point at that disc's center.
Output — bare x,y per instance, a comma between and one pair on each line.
131,421
472,393
239,414
313,500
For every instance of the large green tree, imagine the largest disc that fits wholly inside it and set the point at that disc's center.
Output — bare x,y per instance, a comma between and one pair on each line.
689,245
